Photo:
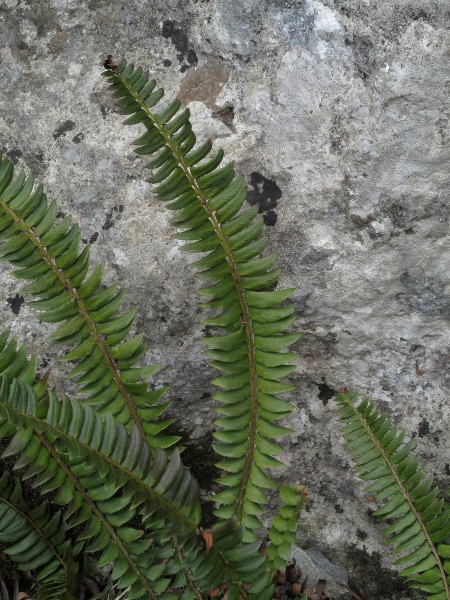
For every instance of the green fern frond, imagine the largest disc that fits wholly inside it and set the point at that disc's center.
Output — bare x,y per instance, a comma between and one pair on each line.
284,526
250,351
36,539
48,254
109,479
420,529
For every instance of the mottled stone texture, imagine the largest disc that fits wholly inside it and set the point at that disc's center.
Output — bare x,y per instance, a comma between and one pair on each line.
337,114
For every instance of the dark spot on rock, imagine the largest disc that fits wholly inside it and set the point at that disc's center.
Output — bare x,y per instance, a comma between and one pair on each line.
427,294
94,237
270,218
192,57
109,222
63,129
244,59
44,363
265,195
179,38
424,428
163,319
200,458
338,508
316,259
103,110
360,222
184,68
119,208
167,62
368,577
419,13
205,395
13,155
225,114
77,139
22,45
167,29
361,535
396,212
15,303
325,393
364,55
447,469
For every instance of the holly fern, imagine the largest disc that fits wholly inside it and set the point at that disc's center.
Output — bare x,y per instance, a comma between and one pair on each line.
117,486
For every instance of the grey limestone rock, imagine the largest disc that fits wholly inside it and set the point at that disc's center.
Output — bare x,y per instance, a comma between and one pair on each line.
337,114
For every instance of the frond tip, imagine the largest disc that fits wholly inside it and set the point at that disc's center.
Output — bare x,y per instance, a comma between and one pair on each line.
420,530
284,526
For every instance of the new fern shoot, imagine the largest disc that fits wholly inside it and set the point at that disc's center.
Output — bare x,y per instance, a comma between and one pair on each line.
119,490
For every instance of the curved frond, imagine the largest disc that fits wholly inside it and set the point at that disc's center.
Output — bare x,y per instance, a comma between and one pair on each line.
47,253
420,524
249,351
109,478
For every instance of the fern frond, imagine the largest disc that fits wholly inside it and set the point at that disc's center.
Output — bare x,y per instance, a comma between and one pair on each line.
110,478
421,526
250,350
36,539
284,526
48,254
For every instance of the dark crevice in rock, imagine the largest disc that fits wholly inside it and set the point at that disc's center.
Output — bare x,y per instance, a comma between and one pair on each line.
325,393
15,303
63,129
265,195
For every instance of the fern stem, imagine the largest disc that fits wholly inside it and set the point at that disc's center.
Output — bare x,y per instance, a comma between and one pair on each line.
37,529
406,496
187,572
84,312
245,315
99,515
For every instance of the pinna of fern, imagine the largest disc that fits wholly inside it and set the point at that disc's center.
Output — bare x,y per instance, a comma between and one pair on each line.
207,201
47,254
420,528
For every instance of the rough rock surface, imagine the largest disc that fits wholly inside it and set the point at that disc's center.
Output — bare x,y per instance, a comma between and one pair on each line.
337,114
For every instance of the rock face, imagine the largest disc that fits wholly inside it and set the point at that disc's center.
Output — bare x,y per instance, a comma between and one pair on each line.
337,114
